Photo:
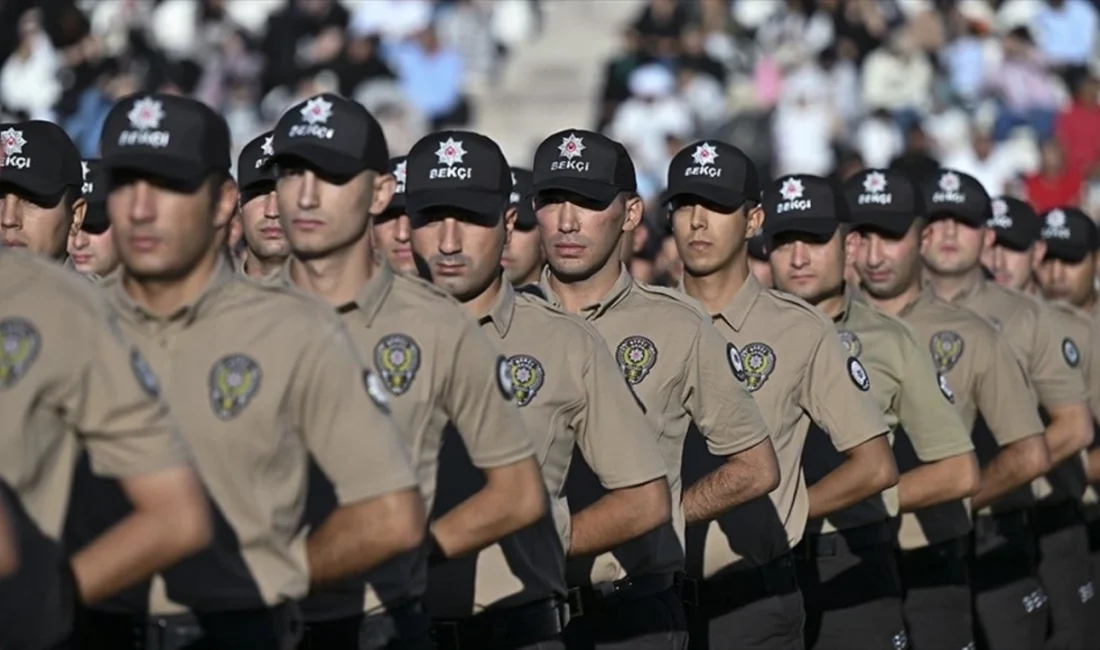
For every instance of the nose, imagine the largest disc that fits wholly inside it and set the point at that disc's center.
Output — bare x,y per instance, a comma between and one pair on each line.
271,205
143,207
11,213
873,245
698,218
450,237
800,255
81,240
568,218
403,233
308,197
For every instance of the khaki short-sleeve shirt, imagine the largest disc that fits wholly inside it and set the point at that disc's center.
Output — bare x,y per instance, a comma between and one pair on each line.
909,392
984,376
1068,480
263,379
797,370
684,374
68,378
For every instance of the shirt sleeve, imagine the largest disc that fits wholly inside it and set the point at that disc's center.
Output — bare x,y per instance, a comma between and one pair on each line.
479,402
926,411
343,417
613,433
1005,398
719,404
836,394
112,399
1091,368
1055,380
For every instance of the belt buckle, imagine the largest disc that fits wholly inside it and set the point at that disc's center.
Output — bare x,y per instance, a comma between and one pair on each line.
574,604
689,591
442,630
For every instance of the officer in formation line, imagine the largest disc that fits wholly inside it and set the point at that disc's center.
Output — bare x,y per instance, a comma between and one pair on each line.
466,397
848,569
92,248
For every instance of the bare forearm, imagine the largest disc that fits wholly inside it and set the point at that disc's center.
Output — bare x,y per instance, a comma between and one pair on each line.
486,517
1094,465
619,516
846,486
1014,466
9,553
946,480
720,491
1068,434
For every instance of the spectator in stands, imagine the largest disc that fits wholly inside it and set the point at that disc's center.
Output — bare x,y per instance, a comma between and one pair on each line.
1056,183
302,39
1024,88
660,25
653,113
29,78
432,77
898,77
616,77
1078,127
1066,32
994,167
917,158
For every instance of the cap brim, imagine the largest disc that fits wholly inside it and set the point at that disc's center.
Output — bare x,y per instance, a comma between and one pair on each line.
967,219
714,194
525,216
39,189
321,159
1066,252
603,193
476,201
758,249
892,225
817,226
185,177
95,220
1013,241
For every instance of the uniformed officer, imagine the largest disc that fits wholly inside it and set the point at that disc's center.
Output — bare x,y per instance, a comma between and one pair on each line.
91,248
565,381
758,260
267,380
392,234
849,574
980,371
41,179
332,166
679,367
69,382
797,373
959,209
266,247
523,257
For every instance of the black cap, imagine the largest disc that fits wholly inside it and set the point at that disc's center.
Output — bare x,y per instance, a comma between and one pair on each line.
521,198
883,199
714,171
254,175
1016,224
758,248
332,134
177,139
585,163
398,166
802,203
95,194
956,194
457,169
39,160
1069,233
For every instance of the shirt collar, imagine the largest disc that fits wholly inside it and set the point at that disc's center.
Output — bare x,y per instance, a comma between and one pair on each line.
737,310
923,296
374,292
972,292
850,294
503,309
189,313
594,311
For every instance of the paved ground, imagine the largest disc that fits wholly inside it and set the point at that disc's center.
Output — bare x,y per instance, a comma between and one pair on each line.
551,84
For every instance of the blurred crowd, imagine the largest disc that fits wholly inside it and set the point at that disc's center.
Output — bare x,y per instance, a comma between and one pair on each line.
416,64
1003,90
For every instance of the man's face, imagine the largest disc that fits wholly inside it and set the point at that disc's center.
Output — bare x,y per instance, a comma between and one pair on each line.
887,266
93,253
463,256
261,228
708,240
321,217
41,229
808,267
1011,268
393,239
953,248
1069,281
580,238
523,255
162,233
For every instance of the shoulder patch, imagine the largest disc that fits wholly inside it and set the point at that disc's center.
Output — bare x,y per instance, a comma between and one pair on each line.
20,344
146,378
758,360
737,364
234,381
636,356
947,348
1070,353
504,379
375,390
527,375
945,388
851,342
858,374
397,359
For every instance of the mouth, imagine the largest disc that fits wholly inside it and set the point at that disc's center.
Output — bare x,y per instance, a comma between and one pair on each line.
80,259
11,243
306,224
877,276
506,260
402,253
699,245
569,250
450,270
271,232
143,244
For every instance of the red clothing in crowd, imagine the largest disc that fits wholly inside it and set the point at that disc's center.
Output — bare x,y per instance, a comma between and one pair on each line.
1078,131
1045,193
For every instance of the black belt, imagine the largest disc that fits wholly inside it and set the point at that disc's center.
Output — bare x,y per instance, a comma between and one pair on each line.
522,625
736,589
1053,517
150,632
935,554
827,544
592,598
1007,524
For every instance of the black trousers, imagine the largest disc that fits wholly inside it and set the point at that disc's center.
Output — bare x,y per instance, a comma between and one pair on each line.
1065,570
1012,609
852,595
937,598
405,628
279,628
653,622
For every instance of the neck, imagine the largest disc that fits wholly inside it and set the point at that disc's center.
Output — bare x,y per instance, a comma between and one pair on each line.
579,294
716,290
1089,304
481,304
833,304
1031,287
949,287
894,305
530,278
166,297
259,267
336,278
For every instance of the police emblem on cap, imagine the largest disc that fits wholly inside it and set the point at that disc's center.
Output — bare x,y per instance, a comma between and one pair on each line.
874,190
87,187
513,198
1000,218
146,378
145,116
946,347
1055,225
397,358
400,173
759,362
636,356
527,376
267,148
737,365
450,152
791,191
1070,352
858,374
234,380
949,185
851,342
504,379
704,154
375,390
19,346
945,388
13,142
571,146
316,111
